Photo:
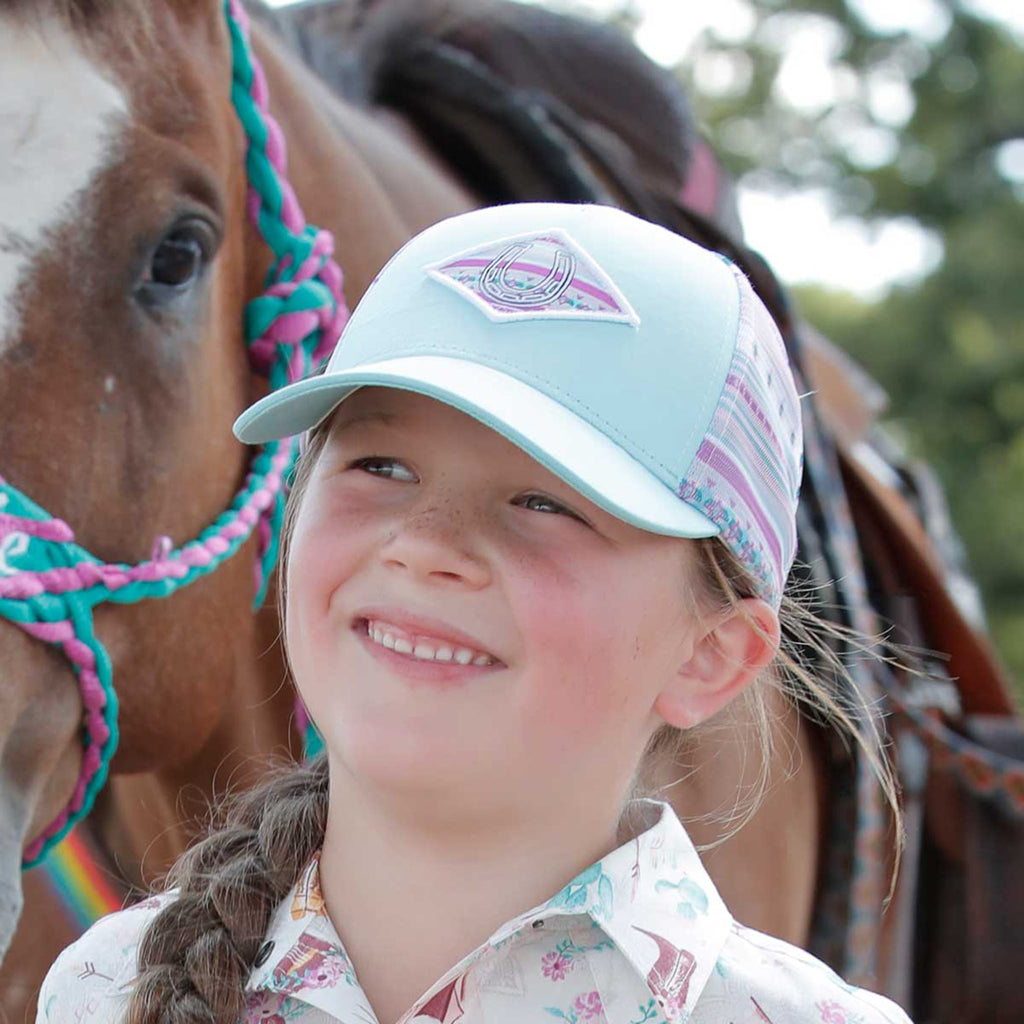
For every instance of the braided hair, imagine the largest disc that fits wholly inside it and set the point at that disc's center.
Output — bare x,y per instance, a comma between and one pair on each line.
197,953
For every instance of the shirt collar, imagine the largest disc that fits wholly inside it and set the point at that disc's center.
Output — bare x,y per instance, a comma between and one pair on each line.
651,896
303,956
657,903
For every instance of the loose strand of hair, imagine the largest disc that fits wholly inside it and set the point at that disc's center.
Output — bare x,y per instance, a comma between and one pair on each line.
805,640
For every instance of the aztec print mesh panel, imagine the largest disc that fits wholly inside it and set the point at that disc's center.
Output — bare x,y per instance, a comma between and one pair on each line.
745,476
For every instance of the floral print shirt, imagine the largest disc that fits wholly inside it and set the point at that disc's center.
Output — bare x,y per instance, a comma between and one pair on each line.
641,937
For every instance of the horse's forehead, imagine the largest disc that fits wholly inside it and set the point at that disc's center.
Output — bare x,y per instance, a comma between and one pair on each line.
60,119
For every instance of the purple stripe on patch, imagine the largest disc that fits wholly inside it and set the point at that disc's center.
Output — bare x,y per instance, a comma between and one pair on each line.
533,268
718,460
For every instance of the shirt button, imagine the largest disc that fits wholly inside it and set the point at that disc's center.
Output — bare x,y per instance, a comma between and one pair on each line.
538,923
263,954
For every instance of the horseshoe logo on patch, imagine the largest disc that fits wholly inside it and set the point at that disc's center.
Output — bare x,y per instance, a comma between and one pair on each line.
498,282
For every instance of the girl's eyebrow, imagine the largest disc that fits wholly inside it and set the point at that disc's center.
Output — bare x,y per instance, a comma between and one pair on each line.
361,419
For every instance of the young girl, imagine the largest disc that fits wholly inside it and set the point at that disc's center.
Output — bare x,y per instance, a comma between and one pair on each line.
544,516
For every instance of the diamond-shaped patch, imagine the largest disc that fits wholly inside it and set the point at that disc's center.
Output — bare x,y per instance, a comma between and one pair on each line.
537,275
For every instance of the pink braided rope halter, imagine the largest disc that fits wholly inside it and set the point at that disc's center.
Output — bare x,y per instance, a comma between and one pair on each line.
49,585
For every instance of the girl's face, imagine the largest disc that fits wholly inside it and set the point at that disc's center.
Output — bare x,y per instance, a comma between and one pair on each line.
461,623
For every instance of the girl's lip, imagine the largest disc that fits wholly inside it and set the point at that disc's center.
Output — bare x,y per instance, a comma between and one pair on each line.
422,625
419,669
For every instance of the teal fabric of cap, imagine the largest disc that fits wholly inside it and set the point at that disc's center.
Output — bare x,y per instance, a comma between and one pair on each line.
634,364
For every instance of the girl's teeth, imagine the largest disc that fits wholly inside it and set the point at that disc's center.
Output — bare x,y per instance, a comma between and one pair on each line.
426,652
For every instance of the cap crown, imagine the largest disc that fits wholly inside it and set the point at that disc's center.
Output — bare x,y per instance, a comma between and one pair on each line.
657,343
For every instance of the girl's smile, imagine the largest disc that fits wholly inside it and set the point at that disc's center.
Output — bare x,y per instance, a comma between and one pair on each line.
424,650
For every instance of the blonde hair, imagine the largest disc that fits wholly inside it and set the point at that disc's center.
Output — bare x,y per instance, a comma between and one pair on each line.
198,951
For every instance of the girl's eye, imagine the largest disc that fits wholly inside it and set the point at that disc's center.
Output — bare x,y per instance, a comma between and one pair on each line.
542,503
390,469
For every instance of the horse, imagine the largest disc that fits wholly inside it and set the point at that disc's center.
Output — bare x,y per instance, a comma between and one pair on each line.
128,262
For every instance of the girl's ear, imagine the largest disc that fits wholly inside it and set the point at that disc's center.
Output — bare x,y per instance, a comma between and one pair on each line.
727,656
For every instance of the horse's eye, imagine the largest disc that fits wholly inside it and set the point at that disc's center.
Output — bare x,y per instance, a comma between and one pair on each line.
178,261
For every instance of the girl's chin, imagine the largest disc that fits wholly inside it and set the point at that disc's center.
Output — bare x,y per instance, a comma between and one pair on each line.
414,755
411,754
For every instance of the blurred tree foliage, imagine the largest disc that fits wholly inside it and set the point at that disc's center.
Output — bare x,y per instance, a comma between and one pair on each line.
926,125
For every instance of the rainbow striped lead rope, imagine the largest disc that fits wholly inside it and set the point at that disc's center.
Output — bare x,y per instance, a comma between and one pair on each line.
73,873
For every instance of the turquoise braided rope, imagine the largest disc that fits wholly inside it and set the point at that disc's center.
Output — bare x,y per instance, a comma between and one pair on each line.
295,244
82,582
49,585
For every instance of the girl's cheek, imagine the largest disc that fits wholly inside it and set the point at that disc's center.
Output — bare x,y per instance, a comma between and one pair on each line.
545,587
330,540
572,628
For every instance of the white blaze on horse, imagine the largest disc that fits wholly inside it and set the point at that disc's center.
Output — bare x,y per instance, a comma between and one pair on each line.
53,152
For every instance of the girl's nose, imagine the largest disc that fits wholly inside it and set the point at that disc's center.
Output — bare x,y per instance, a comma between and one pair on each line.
433,544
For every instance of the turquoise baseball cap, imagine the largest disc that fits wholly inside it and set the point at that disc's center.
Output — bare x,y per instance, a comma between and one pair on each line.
637,366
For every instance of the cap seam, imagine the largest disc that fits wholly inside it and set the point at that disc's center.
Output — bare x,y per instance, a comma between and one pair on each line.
727,360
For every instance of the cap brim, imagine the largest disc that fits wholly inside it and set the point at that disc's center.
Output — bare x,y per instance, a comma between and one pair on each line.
556,437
